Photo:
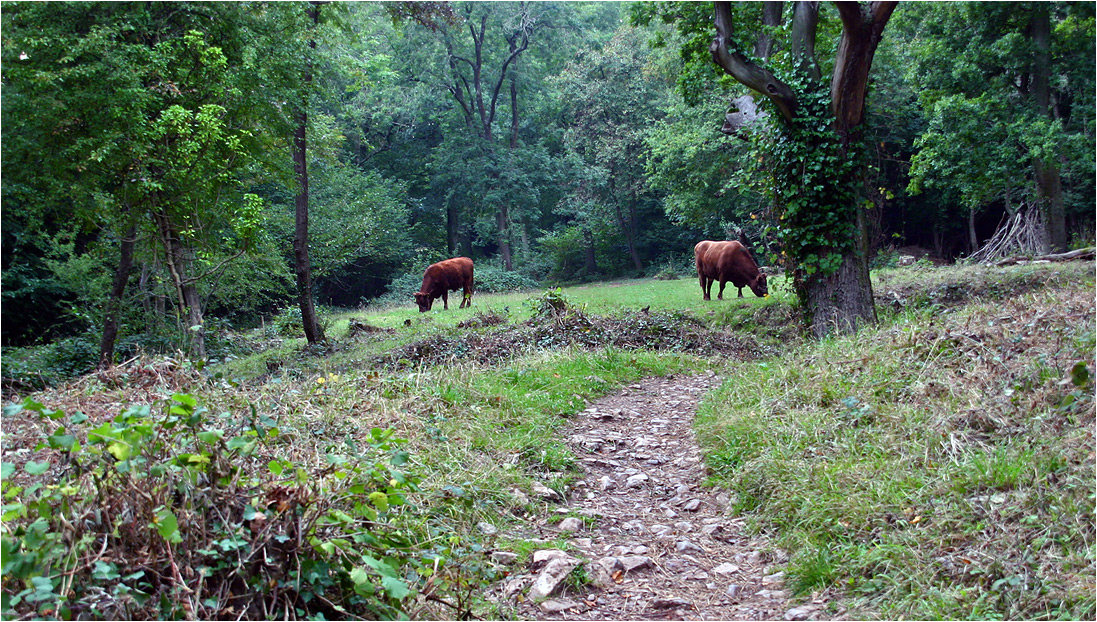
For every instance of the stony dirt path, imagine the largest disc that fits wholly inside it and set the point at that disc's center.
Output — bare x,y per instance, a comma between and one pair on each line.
655,543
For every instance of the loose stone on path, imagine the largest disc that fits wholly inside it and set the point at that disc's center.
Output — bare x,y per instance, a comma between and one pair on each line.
655,543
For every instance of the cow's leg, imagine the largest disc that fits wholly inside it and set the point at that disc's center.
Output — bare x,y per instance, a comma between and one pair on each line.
721,295
466,298
445,300
704,286
740,292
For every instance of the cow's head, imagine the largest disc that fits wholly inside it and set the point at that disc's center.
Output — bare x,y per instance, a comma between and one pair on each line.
759,286
424,301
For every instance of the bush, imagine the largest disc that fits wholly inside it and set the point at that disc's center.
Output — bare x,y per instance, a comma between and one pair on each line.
288,322
37,367
489,279
176,513
493,280
674,267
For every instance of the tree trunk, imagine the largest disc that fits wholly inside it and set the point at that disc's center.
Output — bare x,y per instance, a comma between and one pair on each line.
301,264
503,228
114,302
973,238
590,263
1049,189
188,302
452,228
841,303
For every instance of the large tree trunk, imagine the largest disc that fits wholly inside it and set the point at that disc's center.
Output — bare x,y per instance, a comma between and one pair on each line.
1049,189
114,302
301,263
841,303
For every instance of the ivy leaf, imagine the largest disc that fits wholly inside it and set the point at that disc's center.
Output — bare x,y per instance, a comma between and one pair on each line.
211,436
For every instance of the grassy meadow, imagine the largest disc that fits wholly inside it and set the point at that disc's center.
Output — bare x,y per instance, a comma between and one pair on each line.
938,465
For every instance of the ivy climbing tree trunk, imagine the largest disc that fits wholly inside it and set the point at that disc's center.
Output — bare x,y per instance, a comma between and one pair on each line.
302,265
825,229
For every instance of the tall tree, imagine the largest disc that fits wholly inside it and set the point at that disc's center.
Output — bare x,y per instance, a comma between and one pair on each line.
476,86
1009,105
607,93
301,265
811,152
171,155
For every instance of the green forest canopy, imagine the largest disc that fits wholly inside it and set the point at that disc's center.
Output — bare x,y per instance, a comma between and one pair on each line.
552,141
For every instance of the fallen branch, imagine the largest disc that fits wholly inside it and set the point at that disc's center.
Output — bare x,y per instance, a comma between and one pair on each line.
1081,253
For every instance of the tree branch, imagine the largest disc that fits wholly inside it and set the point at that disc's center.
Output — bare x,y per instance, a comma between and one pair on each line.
771,17
861,32
805,19
743,70
503,72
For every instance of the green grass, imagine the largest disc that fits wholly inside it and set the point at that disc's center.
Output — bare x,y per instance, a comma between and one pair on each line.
602,298
938,466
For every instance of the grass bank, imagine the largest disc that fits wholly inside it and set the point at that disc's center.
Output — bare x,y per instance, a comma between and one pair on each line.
939,466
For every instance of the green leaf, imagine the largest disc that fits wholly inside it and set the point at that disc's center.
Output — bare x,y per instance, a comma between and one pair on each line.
167,526
211,436
7,469
380,566
395,588
36,468
120,450
243,443
60,440
1079,374
380,500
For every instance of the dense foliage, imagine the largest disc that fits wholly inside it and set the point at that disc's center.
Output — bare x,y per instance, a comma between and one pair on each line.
151,145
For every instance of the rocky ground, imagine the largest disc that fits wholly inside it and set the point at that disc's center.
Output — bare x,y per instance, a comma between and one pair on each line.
653,542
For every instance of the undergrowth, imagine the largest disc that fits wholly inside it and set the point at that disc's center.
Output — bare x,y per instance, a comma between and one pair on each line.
937,467
168,511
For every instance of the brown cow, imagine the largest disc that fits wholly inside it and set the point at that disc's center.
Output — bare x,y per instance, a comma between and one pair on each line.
442,277
728,261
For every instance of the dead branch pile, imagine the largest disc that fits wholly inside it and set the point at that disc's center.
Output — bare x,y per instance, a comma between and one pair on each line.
1021,234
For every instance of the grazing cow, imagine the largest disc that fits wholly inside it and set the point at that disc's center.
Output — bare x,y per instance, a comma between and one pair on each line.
442,277
728,261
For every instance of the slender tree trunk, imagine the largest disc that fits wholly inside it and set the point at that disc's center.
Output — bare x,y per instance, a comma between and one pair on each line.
973,238
302,265
114,302
452,228
1049,190
588,246
189,303
501,218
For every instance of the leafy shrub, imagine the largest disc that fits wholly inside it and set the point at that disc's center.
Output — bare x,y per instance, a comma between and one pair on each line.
166,512
288,322
36,367
492,279
489,279
674,267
